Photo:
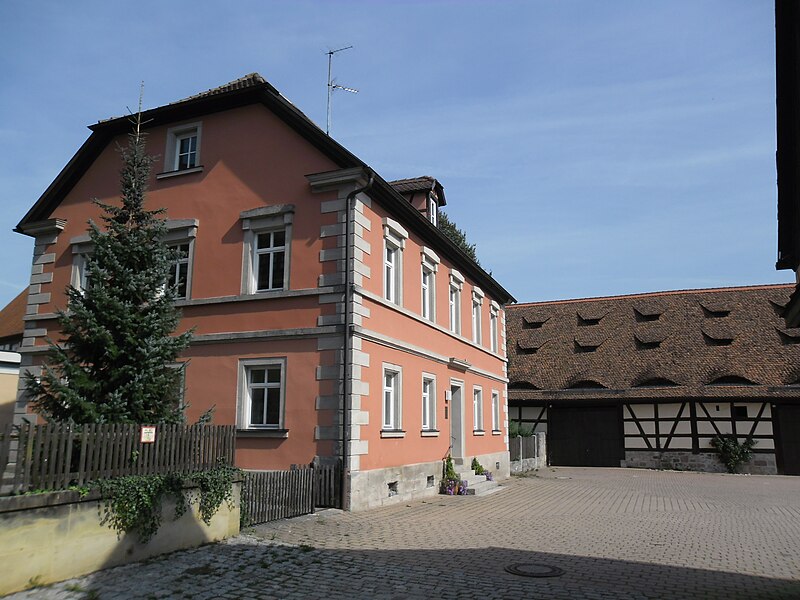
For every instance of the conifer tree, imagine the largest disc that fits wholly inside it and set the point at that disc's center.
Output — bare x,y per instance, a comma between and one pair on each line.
116,360
458,236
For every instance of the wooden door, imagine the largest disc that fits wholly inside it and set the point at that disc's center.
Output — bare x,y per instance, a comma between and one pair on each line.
584,436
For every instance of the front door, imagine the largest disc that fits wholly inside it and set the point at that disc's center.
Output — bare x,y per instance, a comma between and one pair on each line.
456,420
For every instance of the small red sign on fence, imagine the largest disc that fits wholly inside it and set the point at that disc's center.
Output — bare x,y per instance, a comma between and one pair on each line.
147,434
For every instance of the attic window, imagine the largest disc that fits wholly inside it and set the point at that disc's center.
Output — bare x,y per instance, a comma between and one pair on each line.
656,382
522,385
731,380
717,341
533,323
789,336
649,345
583,322
585,347
587,384
645,317
523,350
780,309
715,313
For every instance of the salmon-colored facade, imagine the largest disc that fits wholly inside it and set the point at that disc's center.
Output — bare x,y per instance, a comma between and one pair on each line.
332,320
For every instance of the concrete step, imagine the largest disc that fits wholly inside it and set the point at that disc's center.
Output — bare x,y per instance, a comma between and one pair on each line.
482,488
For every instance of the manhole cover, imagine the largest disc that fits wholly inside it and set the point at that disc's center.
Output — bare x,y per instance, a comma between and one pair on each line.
534,570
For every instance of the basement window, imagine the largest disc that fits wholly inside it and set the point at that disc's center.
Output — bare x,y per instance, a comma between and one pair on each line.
392,489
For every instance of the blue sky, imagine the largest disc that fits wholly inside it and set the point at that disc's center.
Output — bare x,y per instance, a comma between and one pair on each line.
588,148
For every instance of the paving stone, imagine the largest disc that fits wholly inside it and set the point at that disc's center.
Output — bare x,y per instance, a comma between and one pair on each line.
617,533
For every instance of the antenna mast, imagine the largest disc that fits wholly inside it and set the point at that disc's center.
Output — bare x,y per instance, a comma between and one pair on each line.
332,85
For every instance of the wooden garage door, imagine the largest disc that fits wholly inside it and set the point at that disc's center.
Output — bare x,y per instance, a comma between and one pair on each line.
587,436
788,442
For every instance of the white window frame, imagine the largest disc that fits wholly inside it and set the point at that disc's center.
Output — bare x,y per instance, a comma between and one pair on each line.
394,242
430,266
433,210
477,408
391,271
172,152
495,411
175,265
258,221
428,402
392,419
244,397
494,330
181,232
477,327
454,301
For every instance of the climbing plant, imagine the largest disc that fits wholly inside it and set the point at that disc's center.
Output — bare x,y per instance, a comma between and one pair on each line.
732,453
133,504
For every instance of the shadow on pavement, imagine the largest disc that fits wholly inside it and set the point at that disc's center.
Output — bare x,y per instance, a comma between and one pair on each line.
250,568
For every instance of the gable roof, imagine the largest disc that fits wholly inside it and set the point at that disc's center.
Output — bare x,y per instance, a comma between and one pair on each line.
253,89
11,317
687,344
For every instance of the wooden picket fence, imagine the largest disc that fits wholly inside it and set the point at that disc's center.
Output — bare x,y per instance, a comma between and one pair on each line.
55,455
327,486
272,495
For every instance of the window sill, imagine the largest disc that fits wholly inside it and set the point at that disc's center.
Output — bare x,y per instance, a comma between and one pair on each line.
429,433
478,432
168,174
263,433
393,433
496,432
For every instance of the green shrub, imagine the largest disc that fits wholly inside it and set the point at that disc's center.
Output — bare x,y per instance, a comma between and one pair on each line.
517,429
476,466
732,454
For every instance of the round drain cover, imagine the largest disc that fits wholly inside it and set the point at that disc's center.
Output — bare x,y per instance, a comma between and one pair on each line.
534,570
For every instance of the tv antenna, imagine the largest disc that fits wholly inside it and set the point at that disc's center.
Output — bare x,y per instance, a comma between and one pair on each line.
332,85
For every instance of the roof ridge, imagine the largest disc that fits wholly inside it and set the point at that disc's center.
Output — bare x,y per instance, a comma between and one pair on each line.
767,286
246,81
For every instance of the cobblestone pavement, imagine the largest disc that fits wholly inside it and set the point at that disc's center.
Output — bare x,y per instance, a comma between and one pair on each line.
616,533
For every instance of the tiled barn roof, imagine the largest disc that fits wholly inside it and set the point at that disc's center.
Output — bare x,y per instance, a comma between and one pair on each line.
689,337
11,323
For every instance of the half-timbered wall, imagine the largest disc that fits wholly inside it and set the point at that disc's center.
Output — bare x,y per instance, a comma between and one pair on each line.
678,434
